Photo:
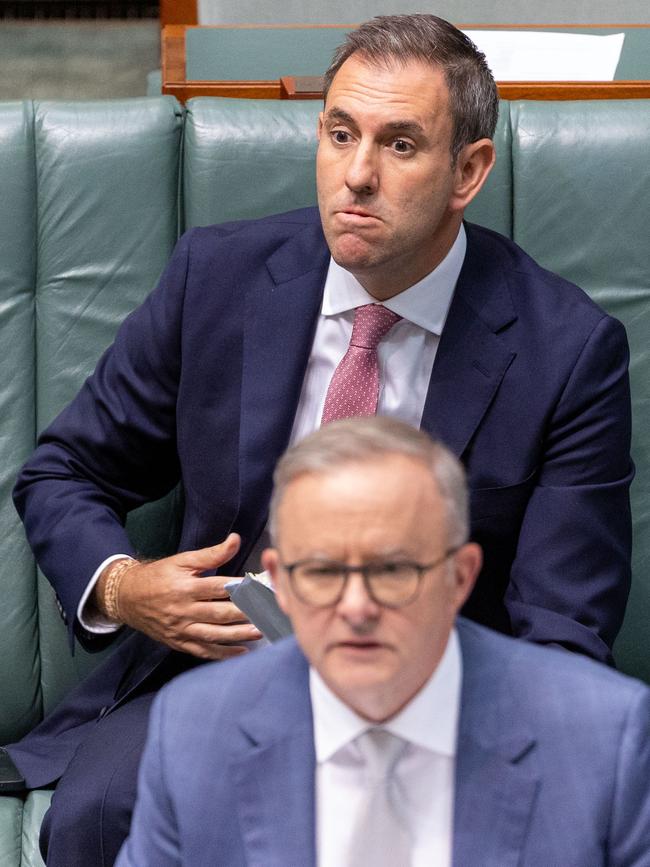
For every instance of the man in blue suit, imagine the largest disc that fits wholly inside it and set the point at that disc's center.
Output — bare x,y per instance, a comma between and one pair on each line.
500,752
230,359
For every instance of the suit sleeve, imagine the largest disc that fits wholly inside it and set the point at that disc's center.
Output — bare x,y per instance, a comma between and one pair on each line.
629,835
112,449
571,574
153,838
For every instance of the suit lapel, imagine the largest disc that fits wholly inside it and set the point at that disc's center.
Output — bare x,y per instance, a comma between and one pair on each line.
496,777
472,359
275,777
280,320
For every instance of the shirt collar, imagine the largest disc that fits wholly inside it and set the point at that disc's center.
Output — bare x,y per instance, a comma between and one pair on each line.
426,303
429,720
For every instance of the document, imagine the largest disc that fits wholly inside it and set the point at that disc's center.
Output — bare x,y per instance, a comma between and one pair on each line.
254,595
524,55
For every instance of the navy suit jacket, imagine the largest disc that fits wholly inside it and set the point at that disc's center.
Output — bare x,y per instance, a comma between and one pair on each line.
529,388
553,763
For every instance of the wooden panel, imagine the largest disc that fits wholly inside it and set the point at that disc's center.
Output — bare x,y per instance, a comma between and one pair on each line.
574,89
302,87
175,82
173,55
236,89
178,12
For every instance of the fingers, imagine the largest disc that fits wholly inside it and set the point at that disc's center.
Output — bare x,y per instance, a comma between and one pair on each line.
212,652
209,633
170,601
209,588
210,558
207,641
220,613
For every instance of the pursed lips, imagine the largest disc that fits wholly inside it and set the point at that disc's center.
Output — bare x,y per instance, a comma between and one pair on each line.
354,223
356,213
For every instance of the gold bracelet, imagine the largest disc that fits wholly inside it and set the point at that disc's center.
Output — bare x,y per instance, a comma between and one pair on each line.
112,587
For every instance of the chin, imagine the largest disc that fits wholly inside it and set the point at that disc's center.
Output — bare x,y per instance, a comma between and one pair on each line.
375,701
352,253
359,681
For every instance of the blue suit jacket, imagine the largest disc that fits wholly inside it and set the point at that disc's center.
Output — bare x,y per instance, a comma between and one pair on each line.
529,388
553,763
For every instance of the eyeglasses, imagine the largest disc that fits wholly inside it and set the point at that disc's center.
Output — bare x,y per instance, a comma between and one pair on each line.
392,584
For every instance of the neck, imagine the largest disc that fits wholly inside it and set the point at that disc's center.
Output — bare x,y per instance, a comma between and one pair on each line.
378,705
401,273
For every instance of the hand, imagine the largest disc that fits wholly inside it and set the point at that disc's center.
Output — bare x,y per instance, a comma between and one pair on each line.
170,601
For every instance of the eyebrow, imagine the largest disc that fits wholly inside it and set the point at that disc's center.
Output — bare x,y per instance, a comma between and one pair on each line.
409,126
404,126
385,556
334,114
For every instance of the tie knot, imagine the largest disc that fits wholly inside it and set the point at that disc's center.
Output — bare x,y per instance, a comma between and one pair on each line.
381,750
371,323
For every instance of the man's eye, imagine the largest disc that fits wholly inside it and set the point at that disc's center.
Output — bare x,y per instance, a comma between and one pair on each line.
340,136
401,146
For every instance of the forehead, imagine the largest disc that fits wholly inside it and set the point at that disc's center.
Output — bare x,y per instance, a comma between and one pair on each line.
365,508
392,91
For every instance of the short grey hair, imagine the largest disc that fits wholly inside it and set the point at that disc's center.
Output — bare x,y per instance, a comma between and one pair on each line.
388,39
361,440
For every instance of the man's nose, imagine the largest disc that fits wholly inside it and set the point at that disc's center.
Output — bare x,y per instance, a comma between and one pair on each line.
356,605
362,175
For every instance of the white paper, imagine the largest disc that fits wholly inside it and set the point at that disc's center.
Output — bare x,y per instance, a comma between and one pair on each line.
522,55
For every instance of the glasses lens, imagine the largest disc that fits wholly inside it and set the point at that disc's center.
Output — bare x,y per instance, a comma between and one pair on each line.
393,584
318,583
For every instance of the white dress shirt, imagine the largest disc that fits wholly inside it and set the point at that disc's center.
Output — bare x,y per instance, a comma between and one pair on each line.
405,358
424,775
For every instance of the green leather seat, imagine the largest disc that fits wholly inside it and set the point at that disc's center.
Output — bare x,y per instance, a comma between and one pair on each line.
581,180
89,217
244,158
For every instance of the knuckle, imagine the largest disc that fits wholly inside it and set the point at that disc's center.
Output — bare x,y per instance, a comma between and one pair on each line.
224,615
195,649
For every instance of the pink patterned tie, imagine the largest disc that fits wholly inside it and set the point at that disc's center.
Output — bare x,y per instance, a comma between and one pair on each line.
354,388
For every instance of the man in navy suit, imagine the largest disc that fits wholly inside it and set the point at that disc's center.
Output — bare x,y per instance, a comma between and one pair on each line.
495,752
230,359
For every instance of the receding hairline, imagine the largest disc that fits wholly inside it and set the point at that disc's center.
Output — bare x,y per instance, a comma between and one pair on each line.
376,460
388,63
332,113
391,39
358,442
361,460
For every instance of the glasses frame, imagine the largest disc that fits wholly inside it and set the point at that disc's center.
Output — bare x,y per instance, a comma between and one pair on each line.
364,570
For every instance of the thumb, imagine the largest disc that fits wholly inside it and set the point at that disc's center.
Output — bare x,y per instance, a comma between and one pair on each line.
210,558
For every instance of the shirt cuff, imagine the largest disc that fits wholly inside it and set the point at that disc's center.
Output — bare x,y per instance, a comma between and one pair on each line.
93,621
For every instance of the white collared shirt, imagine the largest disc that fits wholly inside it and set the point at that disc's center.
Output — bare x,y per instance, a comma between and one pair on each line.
425,773
405,358
405,355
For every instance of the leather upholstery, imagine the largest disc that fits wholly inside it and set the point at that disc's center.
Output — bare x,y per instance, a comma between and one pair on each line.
20,687
94,266
11,823
267,148
89,214
244,157
581,198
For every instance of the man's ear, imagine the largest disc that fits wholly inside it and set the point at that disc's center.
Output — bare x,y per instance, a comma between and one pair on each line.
319,128
467,563
473,165
271,562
